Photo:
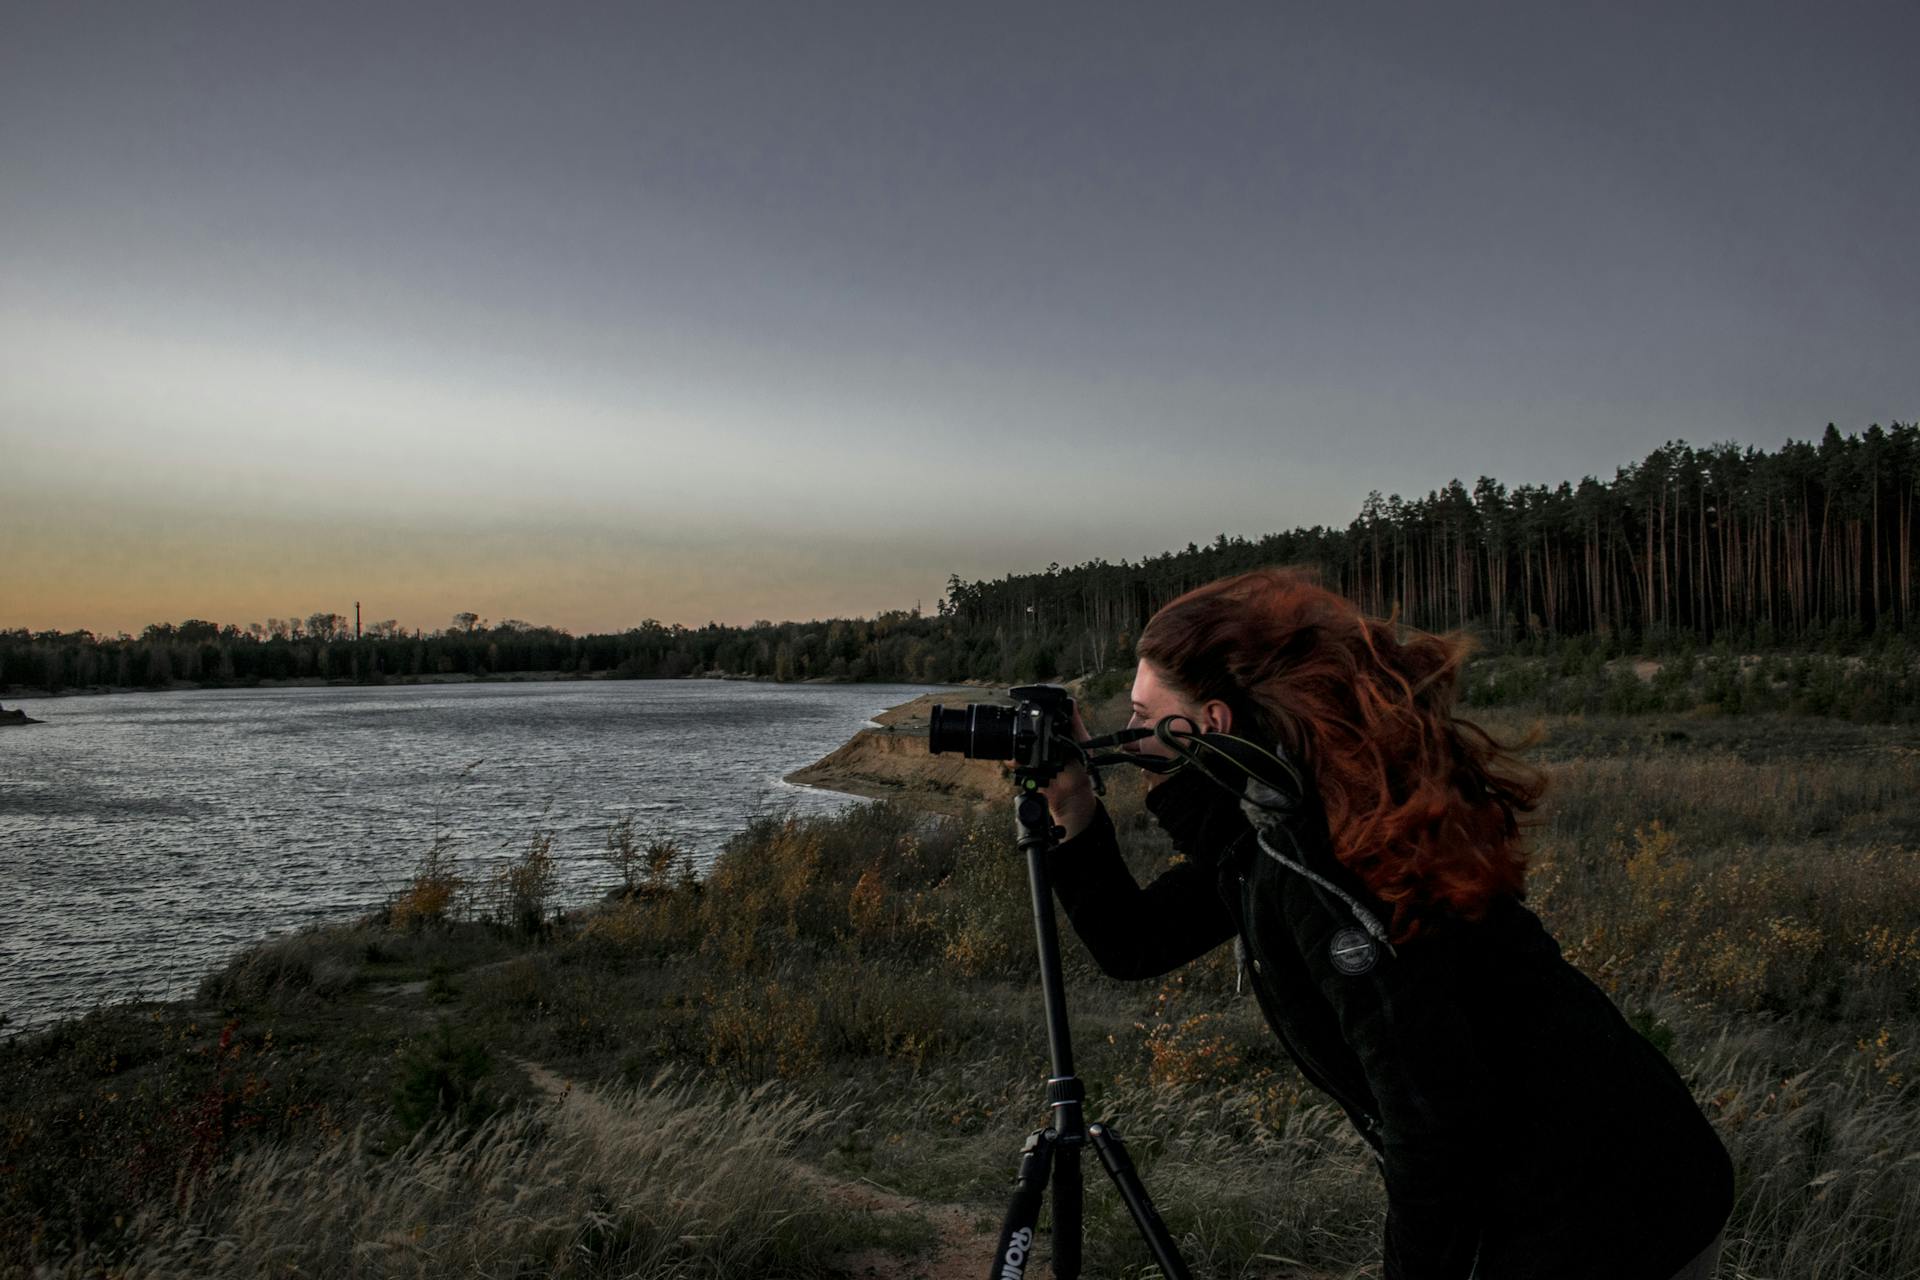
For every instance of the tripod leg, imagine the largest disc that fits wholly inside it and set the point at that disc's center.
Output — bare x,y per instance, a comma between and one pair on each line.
1119,1166
1023,1210
1068,1196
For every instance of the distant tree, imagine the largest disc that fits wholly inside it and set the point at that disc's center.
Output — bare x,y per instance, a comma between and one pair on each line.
326,627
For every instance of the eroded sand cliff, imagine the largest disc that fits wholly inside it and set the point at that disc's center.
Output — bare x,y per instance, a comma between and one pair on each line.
892,761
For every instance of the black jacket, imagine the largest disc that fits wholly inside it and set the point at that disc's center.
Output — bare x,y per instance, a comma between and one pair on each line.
1518,1119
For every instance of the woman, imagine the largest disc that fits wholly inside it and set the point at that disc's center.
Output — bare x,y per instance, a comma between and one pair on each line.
1524,1129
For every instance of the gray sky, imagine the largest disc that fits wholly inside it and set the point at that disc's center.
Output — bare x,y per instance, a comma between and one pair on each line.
584,314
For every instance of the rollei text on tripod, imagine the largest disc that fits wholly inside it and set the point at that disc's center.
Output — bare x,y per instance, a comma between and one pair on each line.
1036,735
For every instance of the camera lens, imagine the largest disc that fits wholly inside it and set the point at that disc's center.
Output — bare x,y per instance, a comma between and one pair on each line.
979,731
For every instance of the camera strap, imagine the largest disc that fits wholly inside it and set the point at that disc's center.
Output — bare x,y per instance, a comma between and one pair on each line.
1122,738
1118,738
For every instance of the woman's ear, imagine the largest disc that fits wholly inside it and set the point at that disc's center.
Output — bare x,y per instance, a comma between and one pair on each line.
1216,717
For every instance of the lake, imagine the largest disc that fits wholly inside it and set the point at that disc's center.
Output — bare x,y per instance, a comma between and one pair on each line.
146,836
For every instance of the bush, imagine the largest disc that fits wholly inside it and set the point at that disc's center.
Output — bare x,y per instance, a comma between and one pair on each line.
317,961
785,880
519,891
657,925
646,863
439,1080
758,1031
429,897
985,909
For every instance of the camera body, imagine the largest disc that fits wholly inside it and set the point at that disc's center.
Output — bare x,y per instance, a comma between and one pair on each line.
1036,733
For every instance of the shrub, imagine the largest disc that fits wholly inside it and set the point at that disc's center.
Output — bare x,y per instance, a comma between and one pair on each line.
648,863
439,1080
657,925
429,897
883,1010
622,852
786,880
321,962
757,1031
985,909
519,891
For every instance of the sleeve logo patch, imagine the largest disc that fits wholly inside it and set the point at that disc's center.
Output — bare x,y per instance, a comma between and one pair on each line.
1352,952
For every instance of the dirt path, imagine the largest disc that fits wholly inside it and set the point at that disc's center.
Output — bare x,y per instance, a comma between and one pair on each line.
966,1238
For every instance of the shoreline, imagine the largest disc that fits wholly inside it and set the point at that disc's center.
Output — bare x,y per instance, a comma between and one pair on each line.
833,779
891,762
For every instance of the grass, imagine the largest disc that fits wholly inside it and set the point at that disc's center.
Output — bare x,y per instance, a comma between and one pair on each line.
1879,683
853,995
660,1180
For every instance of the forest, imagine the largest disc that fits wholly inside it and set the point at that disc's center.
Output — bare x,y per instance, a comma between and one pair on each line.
1805,548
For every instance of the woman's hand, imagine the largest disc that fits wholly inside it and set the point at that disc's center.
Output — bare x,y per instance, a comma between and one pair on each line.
1070,795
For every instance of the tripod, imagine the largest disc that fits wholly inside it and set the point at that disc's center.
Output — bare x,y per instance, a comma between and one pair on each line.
1054,1152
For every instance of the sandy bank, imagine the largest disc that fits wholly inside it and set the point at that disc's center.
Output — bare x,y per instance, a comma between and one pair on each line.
892,762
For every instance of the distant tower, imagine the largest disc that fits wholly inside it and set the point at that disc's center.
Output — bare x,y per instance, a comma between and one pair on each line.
356,619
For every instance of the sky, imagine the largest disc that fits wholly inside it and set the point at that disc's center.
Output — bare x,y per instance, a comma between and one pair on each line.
587,314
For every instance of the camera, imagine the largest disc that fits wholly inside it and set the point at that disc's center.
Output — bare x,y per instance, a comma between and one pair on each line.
1036,733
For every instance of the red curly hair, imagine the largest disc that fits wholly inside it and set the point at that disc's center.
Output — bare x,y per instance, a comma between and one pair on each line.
1422,805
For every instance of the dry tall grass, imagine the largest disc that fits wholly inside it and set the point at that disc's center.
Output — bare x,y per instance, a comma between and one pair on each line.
662,1181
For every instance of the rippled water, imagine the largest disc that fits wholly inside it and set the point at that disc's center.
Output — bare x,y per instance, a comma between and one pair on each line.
146,836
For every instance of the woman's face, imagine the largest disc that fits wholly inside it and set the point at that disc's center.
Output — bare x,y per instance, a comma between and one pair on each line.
1154,699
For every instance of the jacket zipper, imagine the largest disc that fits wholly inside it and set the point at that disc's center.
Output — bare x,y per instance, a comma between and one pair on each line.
1370,1124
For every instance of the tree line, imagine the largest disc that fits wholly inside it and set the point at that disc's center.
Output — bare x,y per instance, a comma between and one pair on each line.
894,646
1813,543
1808,545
